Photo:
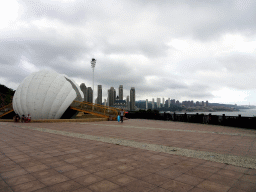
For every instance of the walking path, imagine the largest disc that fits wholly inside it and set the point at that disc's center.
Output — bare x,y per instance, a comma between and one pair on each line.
138,155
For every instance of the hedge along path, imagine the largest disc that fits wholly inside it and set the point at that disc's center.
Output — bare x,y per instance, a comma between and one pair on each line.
240,161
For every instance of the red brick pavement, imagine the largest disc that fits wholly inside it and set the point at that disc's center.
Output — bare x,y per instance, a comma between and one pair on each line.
31,160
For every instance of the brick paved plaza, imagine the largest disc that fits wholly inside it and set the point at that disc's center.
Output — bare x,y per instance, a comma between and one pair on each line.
138,155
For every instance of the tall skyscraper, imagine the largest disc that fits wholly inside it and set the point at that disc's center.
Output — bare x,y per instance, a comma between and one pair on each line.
163,102
105,102
108,99
121,92
169,102
99,98
158,100
114,95
84,90
132,99
128,103
89,94
111,96
146,104
153,103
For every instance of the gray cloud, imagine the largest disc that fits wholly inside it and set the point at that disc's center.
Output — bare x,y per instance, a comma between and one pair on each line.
13,74
147,48
68,12
239,63
131,42
11,52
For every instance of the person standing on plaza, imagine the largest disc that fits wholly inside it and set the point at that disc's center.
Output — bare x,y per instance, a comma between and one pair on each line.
16,118
22,118
122,115
29,118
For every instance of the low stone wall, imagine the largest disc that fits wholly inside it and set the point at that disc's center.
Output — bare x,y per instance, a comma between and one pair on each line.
232,121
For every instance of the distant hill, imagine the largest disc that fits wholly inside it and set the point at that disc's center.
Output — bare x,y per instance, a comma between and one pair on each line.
6,95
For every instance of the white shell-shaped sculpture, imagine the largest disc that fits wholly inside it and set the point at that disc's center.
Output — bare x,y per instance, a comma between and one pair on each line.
45,95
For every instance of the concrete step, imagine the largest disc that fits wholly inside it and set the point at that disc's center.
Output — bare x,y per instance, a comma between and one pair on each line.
86,116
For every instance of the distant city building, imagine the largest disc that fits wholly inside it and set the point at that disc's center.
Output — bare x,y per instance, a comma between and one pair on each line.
99,98
132,99
111,96
121,92
89,94
114,95
158,100
128,103
84,90
187,103
105,102
120,104
167,103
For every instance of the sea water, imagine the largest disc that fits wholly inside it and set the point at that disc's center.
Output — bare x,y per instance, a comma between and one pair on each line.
242,112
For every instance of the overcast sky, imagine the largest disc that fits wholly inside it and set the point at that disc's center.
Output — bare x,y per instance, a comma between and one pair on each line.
183,49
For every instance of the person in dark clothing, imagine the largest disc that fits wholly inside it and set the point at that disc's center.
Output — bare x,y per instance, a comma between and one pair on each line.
22,118
16,118
122,115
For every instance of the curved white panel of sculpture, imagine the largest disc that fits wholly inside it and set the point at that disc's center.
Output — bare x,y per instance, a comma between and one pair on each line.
45,95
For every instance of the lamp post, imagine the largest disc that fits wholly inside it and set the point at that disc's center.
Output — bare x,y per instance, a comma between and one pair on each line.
93,63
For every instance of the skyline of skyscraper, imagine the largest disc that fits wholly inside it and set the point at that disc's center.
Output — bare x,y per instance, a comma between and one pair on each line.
120,94
99,98
132,98
128,102
84,90
158,100
111,96
113,100
89,94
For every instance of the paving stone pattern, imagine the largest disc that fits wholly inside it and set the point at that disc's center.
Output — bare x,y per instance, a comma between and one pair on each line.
32,158
243,161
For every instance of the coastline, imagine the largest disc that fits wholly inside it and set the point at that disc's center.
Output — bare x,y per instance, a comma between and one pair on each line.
242,112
